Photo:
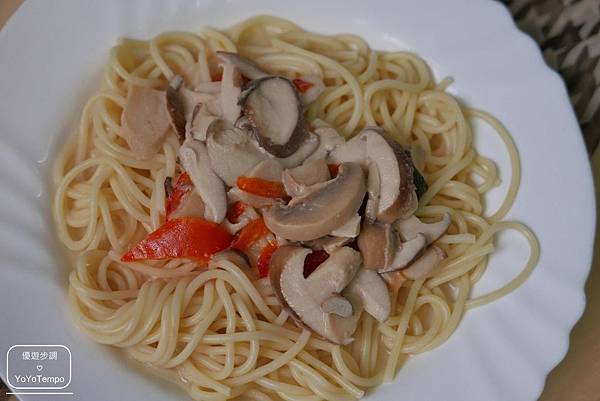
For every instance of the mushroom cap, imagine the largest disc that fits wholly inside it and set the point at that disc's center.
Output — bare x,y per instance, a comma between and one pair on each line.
303,297
232,151
369,287
298,179
321,211
273,111
389,169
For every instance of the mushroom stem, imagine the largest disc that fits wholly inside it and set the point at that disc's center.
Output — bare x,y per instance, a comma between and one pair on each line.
406,253
409,228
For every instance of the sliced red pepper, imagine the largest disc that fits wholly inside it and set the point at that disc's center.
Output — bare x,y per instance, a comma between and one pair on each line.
235,211
333,169
177,192
252,232
314,260
260,187
186,237
265,258
302,85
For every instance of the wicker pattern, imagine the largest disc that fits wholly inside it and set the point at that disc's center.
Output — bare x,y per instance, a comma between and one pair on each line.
568,32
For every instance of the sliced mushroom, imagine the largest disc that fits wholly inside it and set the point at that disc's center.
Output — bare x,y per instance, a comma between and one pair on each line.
314,90
201,119
409,228
337,305
145,120
311,216
231,88
232,151
195,160
188,109
296,180
247,67
329,139
426,264
306,148
273,110
352,151
423,267
269,170
406,253
396,196
303,298
369,287
350,229
377,244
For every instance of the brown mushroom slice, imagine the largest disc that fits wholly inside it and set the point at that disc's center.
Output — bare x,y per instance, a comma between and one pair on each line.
231,88
201,120
303,297
306,148
337,305
145,120
380,153
377,244
232,152
426,264
195,161
273,111
406,253
176,108
311,216
410,227
370,288
269,170
396,195
298,179
314,90
248,68
329,139
352,151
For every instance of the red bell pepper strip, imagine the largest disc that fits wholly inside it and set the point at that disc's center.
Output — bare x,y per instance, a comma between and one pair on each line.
185,237
265,258
314,260
182,187
252,232
302,85
260,187
333,169
235,211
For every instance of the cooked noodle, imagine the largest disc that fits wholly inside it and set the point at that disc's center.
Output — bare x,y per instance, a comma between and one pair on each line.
218,332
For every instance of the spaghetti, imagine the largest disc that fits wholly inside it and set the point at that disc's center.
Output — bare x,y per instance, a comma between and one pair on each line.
220,332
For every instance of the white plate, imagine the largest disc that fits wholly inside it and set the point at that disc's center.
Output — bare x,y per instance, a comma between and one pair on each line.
51,54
